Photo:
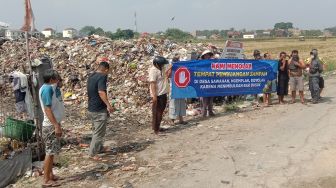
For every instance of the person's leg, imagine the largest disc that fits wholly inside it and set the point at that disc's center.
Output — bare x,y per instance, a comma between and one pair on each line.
269,102
173,109
300,86
210,107
293,96
97,142
48,164
154,116
204,101
162,103
321,84
293,88
302,97
315,89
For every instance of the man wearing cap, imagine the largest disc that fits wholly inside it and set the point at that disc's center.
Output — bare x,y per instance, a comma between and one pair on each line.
159,89
99,108
207,102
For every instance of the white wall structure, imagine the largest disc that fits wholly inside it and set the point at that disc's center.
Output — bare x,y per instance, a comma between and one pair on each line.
248,36
70,33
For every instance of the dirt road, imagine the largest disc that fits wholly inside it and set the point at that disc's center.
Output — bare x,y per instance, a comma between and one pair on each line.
290,145
285,146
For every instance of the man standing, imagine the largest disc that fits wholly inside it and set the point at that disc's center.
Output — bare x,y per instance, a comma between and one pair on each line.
283,78
257,56
177,107
315,69
295,70
207,102
159,88
99,108
53,110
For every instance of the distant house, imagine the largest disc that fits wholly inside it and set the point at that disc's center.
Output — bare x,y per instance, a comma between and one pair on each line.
294,32
201,37
327,33
13,34
70,33
3,28
266,33
215,36
280,33
233,34
48,32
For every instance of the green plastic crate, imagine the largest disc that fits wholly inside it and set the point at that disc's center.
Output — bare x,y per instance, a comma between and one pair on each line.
17,129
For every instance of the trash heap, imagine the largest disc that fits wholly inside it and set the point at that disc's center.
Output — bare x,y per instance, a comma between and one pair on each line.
76,59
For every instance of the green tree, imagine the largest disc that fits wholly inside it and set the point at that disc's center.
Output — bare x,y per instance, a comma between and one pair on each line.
123,34
283,25
332,30
312,33
87,30
177,34
99,31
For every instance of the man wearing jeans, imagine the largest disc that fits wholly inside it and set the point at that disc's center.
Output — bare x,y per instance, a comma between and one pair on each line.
99,108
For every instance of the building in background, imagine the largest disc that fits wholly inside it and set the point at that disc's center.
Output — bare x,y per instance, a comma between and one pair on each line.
3,28
70,33
49,32
14,34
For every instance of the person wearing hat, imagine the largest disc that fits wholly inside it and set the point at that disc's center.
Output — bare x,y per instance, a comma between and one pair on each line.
207,102
315,70
159,89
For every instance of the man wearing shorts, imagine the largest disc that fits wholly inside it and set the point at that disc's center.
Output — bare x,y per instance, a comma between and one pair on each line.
295,70
53,110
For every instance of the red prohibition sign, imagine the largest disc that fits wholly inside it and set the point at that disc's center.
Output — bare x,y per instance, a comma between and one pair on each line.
182,77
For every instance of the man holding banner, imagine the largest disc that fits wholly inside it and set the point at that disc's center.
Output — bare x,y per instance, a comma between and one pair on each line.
208,78
207,102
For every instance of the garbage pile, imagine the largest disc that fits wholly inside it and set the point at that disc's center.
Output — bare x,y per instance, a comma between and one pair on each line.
76,59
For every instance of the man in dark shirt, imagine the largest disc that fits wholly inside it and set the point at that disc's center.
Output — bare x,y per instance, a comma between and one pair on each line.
98,107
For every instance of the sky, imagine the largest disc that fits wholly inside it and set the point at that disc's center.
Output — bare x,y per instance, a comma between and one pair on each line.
156,15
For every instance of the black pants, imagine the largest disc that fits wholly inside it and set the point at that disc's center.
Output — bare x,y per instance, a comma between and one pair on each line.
157,111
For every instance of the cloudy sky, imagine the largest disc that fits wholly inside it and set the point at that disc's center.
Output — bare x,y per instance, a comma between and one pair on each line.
155,15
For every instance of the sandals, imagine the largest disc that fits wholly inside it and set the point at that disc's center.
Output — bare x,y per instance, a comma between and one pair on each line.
96,158
57,178
51,183
183,123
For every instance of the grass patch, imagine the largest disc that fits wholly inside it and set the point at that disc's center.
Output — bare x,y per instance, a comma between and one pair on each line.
233,107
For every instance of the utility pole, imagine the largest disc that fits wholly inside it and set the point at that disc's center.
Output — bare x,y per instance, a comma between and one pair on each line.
135,22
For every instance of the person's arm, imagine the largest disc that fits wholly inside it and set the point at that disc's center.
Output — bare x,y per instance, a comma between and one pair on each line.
153,84
154,91
169,71
324,64
104,98
52,119
301,64
46,96
102,91
282,67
